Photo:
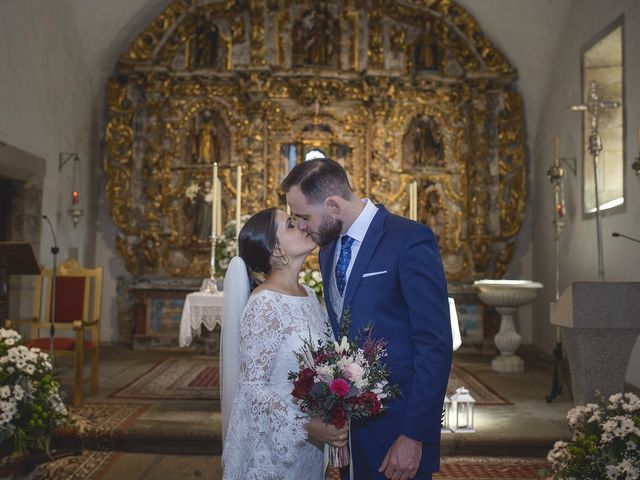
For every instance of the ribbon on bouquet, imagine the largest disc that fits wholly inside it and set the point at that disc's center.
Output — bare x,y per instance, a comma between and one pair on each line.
327,455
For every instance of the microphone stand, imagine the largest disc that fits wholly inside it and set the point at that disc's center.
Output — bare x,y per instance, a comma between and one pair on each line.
616,234
54,251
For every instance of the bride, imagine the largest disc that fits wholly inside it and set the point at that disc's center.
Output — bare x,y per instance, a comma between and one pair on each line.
266,435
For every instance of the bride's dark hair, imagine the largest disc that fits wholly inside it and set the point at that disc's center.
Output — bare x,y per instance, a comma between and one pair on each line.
257,241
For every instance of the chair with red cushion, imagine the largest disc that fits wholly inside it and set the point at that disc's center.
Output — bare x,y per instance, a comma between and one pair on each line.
78,299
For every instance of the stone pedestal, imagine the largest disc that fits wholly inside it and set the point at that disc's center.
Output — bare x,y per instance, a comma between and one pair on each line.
600,322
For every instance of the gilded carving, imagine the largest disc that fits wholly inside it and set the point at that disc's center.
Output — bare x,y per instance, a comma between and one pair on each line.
258,84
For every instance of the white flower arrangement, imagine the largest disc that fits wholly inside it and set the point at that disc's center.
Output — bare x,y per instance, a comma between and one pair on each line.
313,279
605,441
227,245
30,403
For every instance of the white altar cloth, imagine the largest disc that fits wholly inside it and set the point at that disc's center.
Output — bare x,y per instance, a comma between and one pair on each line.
199,309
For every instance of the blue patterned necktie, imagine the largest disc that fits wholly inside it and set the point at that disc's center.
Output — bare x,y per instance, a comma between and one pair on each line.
343,263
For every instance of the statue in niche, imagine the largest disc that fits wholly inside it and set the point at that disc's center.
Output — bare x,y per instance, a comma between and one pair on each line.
315,37
428,149
201,200
205,51
205,139
430,213
426,53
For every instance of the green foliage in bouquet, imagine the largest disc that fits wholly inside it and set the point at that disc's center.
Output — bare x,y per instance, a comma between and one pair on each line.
30,403
605,442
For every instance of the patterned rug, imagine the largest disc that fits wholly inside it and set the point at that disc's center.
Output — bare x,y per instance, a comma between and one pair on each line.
483,394
90,465
483,468
492,468
98,425
176,378
196,378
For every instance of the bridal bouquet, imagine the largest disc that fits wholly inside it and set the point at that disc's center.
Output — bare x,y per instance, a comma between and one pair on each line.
342,381
30,403
605,442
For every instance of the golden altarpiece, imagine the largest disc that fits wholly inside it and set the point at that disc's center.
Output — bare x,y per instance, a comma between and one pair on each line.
396,91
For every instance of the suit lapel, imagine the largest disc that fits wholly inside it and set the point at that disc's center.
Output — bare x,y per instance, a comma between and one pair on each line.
369,244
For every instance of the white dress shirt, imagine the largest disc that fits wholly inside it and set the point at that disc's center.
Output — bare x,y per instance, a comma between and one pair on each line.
357,231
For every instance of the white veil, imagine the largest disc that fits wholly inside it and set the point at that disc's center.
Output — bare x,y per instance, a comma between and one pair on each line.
236,293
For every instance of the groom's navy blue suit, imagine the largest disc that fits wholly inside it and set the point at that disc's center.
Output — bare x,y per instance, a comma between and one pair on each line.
408,307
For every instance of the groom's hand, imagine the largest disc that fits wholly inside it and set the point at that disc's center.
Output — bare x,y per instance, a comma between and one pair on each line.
402,460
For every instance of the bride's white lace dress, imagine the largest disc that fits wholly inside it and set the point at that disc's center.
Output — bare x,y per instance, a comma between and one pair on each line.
266,437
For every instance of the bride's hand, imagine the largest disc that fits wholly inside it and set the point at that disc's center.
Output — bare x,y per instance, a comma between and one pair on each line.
322,432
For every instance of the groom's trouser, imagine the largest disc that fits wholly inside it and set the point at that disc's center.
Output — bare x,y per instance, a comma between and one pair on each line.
363,469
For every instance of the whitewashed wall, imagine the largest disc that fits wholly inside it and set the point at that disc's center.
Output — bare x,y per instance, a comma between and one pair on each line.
578,244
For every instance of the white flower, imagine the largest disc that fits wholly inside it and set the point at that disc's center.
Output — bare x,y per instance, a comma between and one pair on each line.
353,372
325,372
343,347
317,276
18,392
192,191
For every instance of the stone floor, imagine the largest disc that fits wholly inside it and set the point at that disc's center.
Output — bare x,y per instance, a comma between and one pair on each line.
181,439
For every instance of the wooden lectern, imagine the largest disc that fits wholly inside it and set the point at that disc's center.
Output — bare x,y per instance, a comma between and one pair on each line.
16,258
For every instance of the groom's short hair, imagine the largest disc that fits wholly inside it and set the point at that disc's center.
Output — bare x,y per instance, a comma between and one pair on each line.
318,179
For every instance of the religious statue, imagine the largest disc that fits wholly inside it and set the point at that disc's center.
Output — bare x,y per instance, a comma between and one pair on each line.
206,139
426,53
431,213
202,201
428,150
314,37
205,51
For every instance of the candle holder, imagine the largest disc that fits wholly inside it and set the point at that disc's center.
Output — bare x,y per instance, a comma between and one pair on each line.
209,284
75,212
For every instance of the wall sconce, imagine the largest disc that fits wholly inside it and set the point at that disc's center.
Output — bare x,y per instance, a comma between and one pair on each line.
75,212
462,405
636,165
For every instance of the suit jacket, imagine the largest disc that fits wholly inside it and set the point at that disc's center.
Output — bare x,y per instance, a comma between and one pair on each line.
408,307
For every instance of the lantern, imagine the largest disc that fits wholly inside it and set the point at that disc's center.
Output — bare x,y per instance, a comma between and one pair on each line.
462,405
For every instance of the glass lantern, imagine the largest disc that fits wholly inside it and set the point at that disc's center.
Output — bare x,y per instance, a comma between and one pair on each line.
446,408
462,405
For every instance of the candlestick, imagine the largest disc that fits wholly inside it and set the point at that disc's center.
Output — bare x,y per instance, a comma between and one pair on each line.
638,138
238,198
214,194
556,146
74,197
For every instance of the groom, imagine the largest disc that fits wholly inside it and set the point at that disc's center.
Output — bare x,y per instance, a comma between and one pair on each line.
386,270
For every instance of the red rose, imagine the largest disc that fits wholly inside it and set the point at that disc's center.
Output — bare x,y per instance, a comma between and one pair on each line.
338,416
302,386
370,401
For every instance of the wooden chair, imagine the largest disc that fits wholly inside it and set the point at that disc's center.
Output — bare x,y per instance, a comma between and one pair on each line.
78,299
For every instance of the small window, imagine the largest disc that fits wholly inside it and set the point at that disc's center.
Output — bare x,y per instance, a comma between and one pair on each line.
602,61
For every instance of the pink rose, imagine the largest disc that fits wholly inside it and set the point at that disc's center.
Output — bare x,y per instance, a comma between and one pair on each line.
353,372
340,387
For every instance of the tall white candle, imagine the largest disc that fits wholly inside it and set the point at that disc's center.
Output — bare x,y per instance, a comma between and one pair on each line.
214,195
238,199
219,209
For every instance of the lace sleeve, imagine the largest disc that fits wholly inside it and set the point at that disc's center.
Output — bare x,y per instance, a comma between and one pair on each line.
265,430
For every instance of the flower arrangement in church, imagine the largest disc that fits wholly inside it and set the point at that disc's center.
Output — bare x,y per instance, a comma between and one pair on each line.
30,403
313,279
342,381
605,443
